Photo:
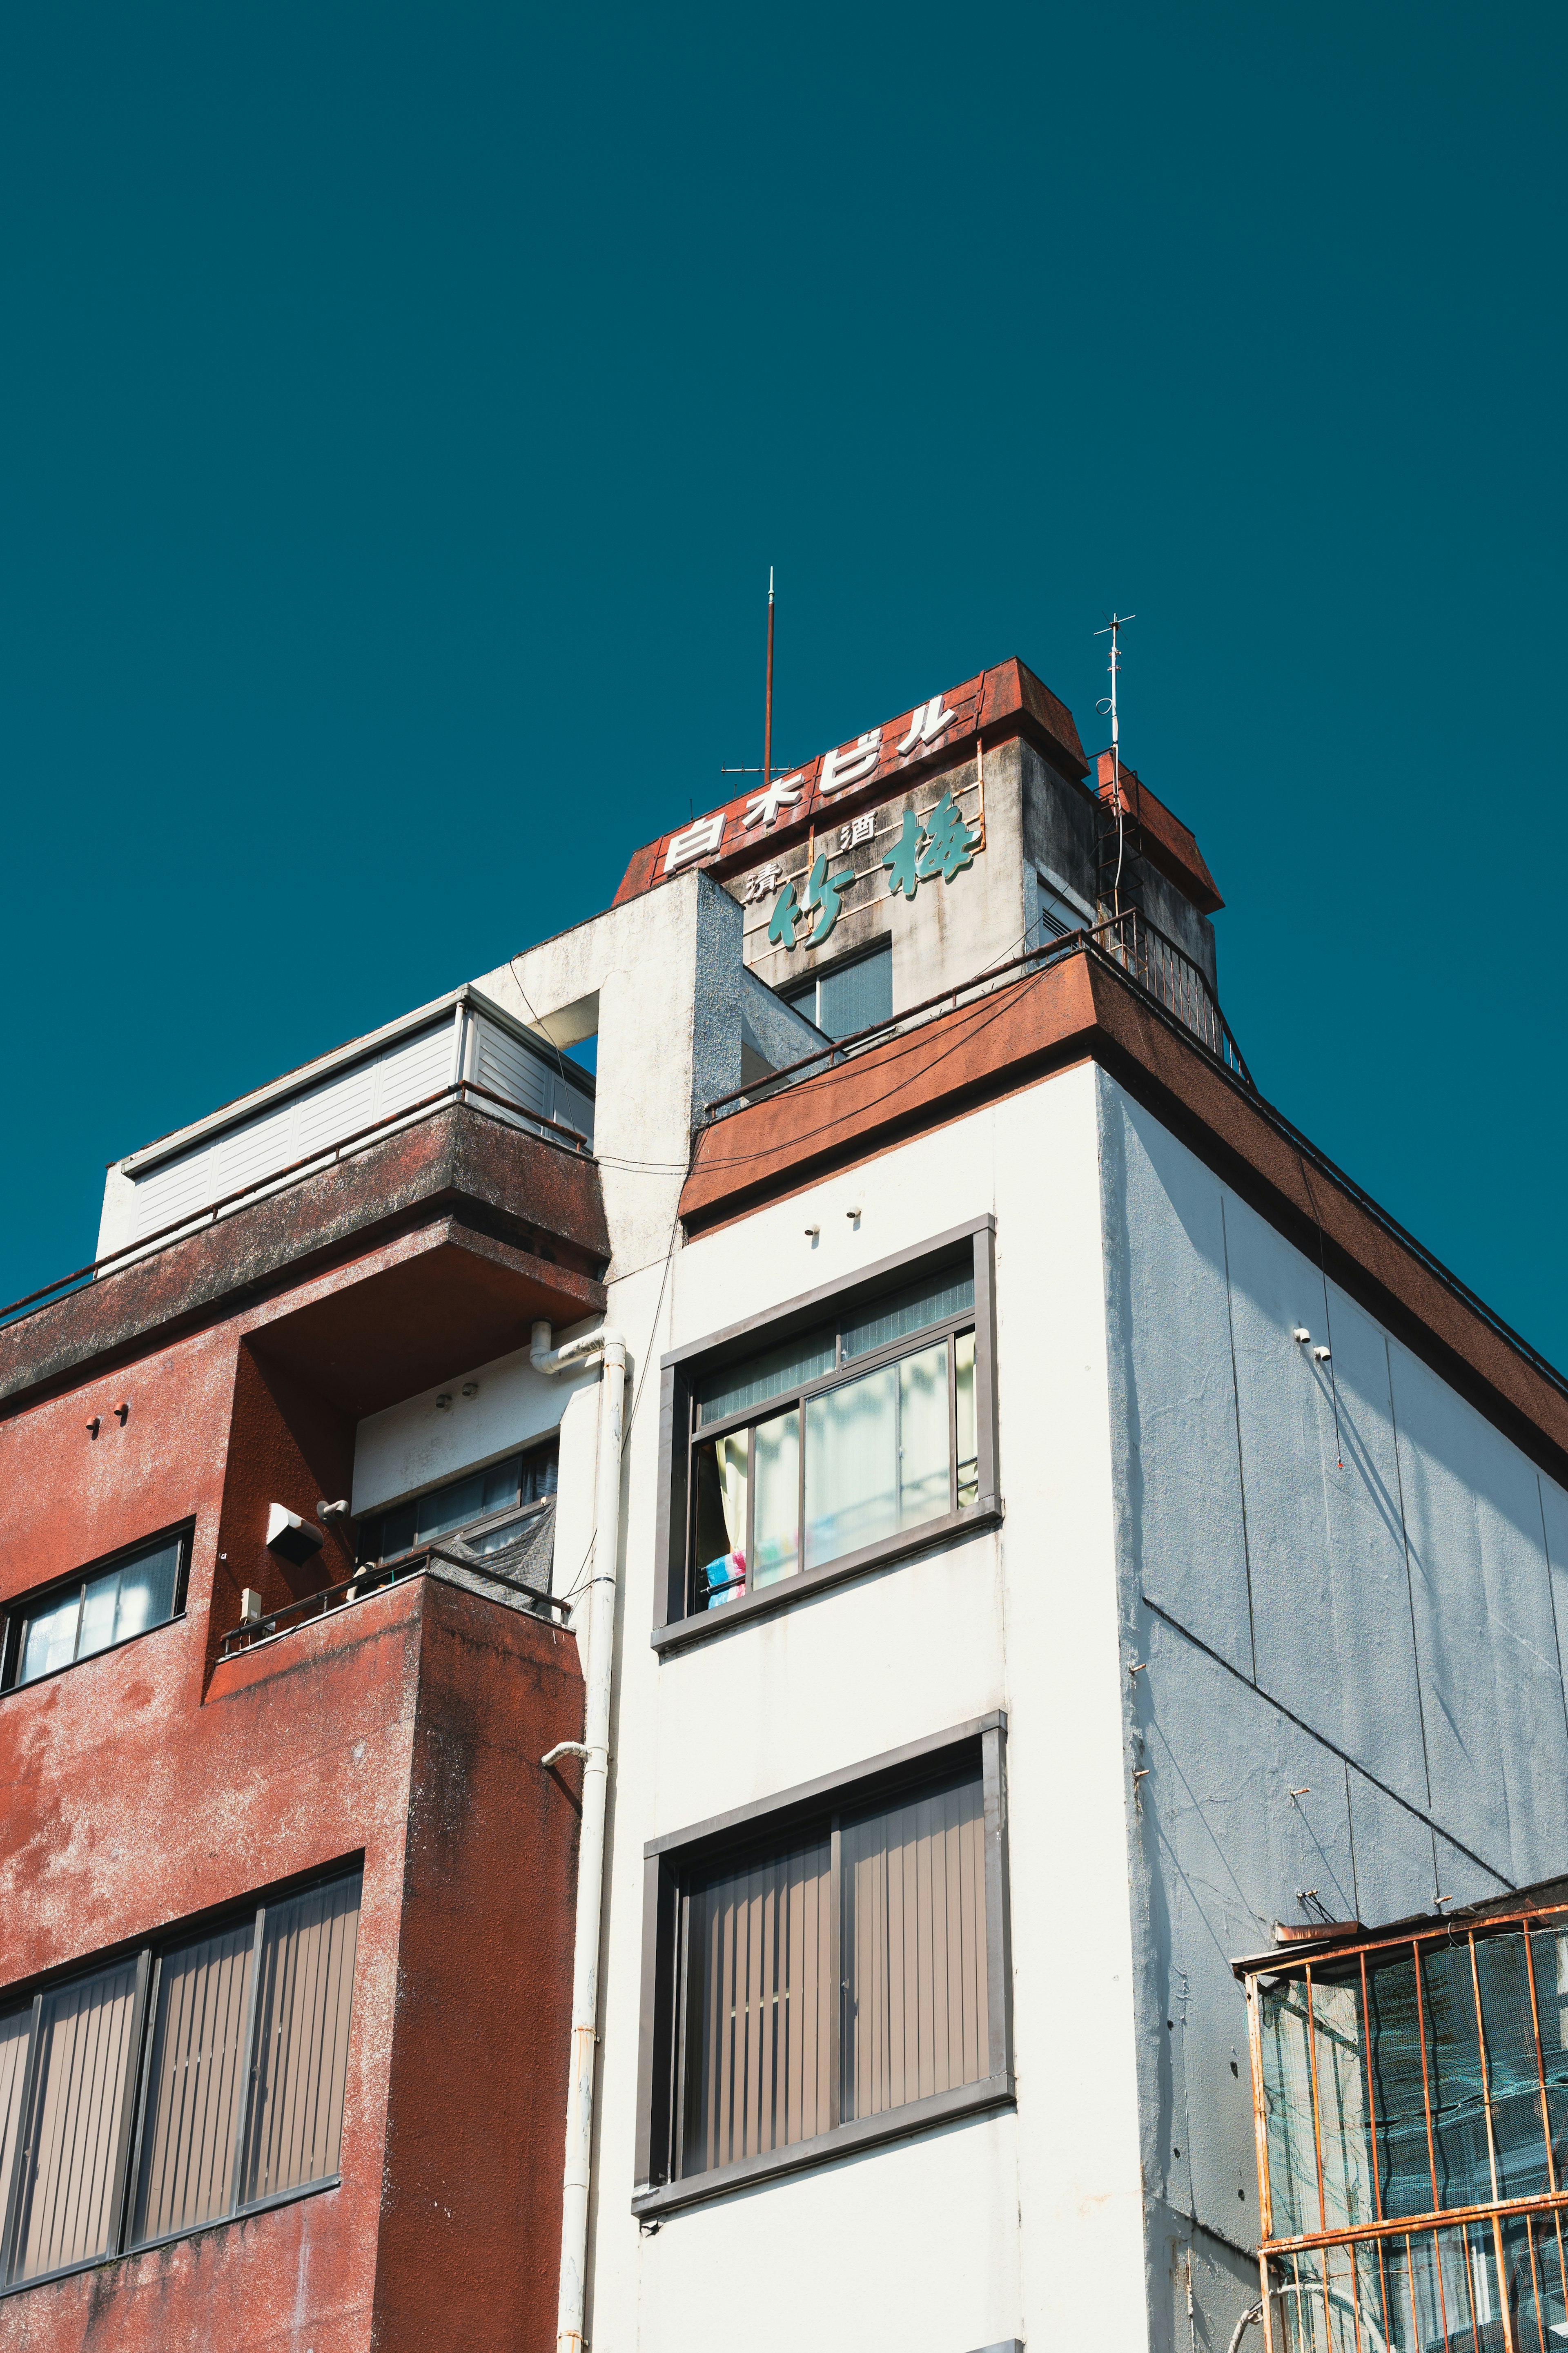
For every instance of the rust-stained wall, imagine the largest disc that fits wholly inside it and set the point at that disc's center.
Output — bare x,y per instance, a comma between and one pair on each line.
153,1784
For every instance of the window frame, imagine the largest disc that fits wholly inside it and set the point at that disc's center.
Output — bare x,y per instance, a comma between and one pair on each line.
672,1863
547,1443
20,1612
795,992
683,1367
149,1954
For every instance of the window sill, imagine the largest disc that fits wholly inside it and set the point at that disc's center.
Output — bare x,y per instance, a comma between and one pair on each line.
706,1623
173,2238
848,2140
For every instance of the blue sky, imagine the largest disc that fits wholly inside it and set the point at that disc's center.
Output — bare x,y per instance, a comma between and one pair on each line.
403,406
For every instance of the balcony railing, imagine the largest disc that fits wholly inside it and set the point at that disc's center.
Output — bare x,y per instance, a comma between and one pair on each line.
1412,2106
1152,962
211,1213
373,1578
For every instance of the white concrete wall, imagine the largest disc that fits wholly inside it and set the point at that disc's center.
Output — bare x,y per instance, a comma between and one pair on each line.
416,1444
1025,2224
1365,1614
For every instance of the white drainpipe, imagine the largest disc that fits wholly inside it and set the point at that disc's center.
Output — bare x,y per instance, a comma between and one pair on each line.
594,1750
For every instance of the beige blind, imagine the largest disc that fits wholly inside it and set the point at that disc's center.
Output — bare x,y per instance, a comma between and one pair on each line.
304,1992
760,2011
915,2015
13,2033
195,2082
67,2191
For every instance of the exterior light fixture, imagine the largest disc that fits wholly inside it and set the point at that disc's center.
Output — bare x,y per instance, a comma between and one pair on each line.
290,1537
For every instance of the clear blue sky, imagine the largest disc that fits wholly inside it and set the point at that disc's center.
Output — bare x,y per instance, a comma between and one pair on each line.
402,406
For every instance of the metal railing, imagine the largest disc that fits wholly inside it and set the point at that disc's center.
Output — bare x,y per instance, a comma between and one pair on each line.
1128,941
1171,977
374,1578
360,1139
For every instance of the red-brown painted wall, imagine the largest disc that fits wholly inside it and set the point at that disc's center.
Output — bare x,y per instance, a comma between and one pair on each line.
153,1784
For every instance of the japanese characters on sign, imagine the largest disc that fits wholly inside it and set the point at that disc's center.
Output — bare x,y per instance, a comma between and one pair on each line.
937,847
838,771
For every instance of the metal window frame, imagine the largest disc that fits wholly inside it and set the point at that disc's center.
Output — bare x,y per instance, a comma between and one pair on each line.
681,1368
19,1613
809,983
136,2091
670,1864
547,1440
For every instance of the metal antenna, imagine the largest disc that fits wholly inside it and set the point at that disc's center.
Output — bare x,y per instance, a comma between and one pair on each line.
1116,623
768,706
766,771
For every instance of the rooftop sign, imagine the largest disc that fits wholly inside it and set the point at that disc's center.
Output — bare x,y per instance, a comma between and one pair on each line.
1009,700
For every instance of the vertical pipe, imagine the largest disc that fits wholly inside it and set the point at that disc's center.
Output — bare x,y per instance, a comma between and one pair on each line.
1371,2094
1425,2086
1486,2071
1539,2063
596,1747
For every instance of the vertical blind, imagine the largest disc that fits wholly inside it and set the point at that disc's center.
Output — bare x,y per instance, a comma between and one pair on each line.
236,2045
914,1951
195,2080
307,1976
83,2052
759,2032
893,1908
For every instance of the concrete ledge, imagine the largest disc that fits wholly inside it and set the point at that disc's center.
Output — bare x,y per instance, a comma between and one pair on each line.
497,1182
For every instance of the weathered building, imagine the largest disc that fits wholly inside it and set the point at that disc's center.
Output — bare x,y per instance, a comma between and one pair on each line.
1053,1528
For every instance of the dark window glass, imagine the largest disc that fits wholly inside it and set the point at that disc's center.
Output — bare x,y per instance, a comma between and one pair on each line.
94,1612
522,1479
753,1382
887,1320
854,997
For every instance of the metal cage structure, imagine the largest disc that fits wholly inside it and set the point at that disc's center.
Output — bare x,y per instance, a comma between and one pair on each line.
1410,2095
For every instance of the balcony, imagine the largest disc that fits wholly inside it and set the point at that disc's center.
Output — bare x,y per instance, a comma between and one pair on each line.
421,1244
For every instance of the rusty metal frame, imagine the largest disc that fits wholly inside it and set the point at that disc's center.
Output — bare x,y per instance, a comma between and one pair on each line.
1433,2240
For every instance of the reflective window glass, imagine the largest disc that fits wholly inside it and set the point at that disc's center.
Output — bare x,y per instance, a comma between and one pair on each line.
757,1378
78,1621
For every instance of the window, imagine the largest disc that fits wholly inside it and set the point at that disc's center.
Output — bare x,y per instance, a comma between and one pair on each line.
177,2085
97,1608
849,996
479,1495
865,1429
826,1972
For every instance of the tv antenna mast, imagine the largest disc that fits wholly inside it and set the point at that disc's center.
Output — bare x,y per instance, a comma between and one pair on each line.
767,770
1112,630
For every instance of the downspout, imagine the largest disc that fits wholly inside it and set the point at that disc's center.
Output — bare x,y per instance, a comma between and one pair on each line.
594,1750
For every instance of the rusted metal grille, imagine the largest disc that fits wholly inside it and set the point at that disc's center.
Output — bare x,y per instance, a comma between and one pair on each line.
1411,2100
